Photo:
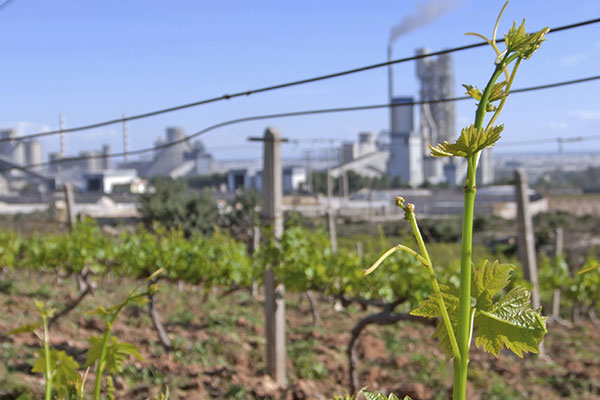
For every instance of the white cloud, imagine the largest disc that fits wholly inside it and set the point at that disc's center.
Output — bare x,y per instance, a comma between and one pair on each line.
26,127
585,115
570,60
557,126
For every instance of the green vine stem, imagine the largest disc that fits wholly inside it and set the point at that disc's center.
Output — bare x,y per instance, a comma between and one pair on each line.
426,261
48,372
464,305
410,216
388,253
473,139
110,319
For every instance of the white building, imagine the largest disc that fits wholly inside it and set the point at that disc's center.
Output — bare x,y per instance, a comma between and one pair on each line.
294,179
105,181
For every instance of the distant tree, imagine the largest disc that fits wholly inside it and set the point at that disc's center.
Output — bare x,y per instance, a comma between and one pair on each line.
174,205
587,180
200,182
242,215
356,182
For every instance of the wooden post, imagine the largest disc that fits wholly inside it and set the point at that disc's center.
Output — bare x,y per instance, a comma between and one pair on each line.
332,229
274,293
70,205
330,213
309,172
526,235
255,247
558,256
359,249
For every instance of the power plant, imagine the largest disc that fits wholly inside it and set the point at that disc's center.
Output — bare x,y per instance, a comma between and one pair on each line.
409,147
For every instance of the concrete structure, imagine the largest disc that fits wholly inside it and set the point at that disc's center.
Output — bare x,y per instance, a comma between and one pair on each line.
352,150
15,155
437,121
12,149
372,165
366,143
294,179
348,152
178,160
33,153
106,180
436,77
406,154
380,204
170,161
20,152
274,293
527,253
244,178
204,162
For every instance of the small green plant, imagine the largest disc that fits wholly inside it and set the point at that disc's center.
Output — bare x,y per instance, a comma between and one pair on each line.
369,396
379,396
477,304
106,353
60,370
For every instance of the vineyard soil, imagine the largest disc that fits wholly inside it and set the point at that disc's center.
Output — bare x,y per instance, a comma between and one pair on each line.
219,349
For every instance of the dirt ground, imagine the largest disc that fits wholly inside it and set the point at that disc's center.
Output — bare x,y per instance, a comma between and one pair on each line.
219,349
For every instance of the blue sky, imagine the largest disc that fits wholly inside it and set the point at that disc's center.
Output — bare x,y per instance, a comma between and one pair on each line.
94,60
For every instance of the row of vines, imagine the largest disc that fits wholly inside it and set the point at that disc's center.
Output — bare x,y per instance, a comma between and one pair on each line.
302,260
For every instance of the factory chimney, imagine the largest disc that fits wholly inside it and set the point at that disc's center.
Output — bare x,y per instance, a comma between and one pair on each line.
390,82
125,139
63,139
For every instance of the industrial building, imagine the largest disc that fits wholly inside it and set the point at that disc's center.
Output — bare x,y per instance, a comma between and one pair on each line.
407,154
294,178
14,156
175,157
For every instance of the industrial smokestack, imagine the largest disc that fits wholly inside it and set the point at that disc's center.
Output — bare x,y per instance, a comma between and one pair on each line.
106,156
125,139
426,12
390,82
63,139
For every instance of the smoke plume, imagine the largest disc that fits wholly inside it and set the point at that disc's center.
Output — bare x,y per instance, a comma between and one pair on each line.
425,13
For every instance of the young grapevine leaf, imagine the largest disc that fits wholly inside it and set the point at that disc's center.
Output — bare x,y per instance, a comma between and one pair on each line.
63,368
497,91
116,353
522,43
470,142
510,322
379,396
487,280
27,328
473,91
429,308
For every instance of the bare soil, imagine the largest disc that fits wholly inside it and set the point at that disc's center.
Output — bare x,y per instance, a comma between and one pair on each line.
219,349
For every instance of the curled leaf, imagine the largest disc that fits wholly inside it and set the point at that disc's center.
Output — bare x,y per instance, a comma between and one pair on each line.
498,91
116,353
470,142
380,396
522,43
24,329
473,92
44,309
